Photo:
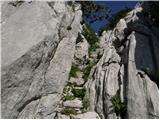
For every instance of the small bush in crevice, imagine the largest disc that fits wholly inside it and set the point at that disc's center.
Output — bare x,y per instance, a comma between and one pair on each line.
69,28
79,92
92,48
68,98
86,70
120,108
68,111
74,70
82,22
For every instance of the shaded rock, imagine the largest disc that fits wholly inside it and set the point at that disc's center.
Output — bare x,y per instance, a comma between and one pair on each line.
138,102
119,29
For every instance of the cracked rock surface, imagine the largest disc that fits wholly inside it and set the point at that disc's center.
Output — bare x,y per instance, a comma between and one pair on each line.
128,67
33,78
49,72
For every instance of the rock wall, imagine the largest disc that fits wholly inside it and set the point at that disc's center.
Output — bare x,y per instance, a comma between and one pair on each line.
38,44
128,67
43,41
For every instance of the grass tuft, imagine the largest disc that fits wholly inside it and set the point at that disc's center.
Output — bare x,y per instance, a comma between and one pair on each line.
74,70
69,111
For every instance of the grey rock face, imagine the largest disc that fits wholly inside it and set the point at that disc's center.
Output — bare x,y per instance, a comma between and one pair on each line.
37,56
38,50
87,115
81,50
61,116
77,81
128,67
105,83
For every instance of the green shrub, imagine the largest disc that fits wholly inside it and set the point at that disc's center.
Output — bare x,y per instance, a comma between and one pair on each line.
68,111
74,70
69,27
94,11
82,22
68,98
79,92
87,69
92,48
120,108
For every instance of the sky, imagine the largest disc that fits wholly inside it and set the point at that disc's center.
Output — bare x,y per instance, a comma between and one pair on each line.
115,6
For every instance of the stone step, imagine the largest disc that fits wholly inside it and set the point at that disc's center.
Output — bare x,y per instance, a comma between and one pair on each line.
79,88
76,103
87,115
62,116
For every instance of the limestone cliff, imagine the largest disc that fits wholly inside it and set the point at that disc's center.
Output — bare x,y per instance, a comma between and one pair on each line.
48,70
128,68
38,48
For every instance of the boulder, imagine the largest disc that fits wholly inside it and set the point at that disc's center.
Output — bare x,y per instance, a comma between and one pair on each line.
77,81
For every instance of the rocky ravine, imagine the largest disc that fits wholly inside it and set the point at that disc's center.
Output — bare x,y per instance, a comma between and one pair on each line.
42,43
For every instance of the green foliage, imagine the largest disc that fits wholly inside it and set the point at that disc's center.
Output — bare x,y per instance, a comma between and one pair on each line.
82,22
69,27
91,37
120,108
92,48
89,34
68,98
79,92
94,11
74,70
86,70
114,19
68,111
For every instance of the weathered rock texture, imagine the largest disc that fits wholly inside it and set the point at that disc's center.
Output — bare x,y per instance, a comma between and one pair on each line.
37,56
129,66
81,52
41,40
